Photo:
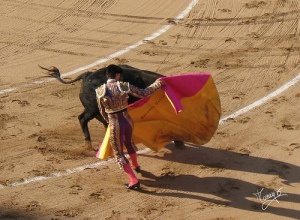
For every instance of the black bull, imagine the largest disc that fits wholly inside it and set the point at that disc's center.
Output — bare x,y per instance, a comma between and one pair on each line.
92,80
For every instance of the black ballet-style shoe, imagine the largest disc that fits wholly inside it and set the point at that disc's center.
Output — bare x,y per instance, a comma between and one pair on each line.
136,186
137,169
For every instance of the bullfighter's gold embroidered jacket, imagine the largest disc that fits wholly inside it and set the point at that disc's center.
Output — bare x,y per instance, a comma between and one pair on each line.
113,96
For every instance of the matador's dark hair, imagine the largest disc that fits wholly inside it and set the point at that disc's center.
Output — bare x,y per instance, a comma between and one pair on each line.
112,70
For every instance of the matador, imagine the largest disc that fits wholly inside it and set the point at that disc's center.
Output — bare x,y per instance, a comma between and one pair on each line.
112,99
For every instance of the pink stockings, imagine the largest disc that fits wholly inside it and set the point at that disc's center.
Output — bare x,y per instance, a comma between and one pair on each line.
128,170
132,177
133,158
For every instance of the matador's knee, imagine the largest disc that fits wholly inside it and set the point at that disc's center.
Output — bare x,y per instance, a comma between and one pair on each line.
122,161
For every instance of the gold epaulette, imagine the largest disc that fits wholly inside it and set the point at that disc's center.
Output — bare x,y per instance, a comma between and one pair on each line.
124,86
100,91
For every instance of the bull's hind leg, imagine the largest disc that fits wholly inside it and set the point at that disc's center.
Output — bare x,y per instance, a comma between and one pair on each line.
84,119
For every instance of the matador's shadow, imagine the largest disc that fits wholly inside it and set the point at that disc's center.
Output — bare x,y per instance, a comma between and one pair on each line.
218,158
234,192
231,192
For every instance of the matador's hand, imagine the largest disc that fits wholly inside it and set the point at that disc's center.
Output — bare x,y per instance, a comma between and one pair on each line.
161,81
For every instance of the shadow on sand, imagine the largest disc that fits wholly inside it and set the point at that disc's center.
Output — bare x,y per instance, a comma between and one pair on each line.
234,192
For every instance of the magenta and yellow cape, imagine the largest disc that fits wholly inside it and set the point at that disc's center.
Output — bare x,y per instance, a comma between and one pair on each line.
187,108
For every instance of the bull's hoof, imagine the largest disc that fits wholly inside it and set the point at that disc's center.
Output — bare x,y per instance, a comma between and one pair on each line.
89,146
180,145
85,151
88,153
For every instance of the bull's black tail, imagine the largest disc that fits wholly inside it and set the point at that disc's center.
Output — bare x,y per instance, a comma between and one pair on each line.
54,72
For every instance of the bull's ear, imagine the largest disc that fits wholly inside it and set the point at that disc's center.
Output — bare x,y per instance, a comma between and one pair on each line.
139,81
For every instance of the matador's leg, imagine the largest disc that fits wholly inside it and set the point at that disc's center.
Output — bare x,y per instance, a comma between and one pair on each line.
116,141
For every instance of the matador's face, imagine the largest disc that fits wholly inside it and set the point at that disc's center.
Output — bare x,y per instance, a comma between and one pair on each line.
118,75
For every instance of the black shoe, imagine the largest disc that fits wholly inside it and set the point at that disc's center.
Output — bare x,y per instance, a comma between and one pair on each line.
137,169
136,186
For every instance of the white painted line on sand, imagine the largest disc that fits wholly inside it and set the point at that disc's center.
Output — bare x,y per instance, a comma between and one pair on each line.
262,100
111,56
67,172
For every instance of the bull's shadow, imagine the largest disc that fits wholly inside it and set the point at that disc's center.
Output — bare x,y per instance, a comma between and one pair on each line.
217,158
231,192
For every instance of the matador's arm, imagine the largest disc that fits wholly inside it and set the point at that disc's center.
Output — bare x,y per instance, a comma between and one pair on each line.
141,93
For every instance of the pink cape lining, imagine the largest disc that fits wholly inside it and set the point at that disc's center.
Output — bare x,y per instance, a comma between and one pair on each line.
178,87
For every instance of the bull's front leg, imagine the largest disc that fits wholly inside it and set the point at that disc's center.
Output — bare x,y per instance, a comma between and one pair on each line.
84,118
